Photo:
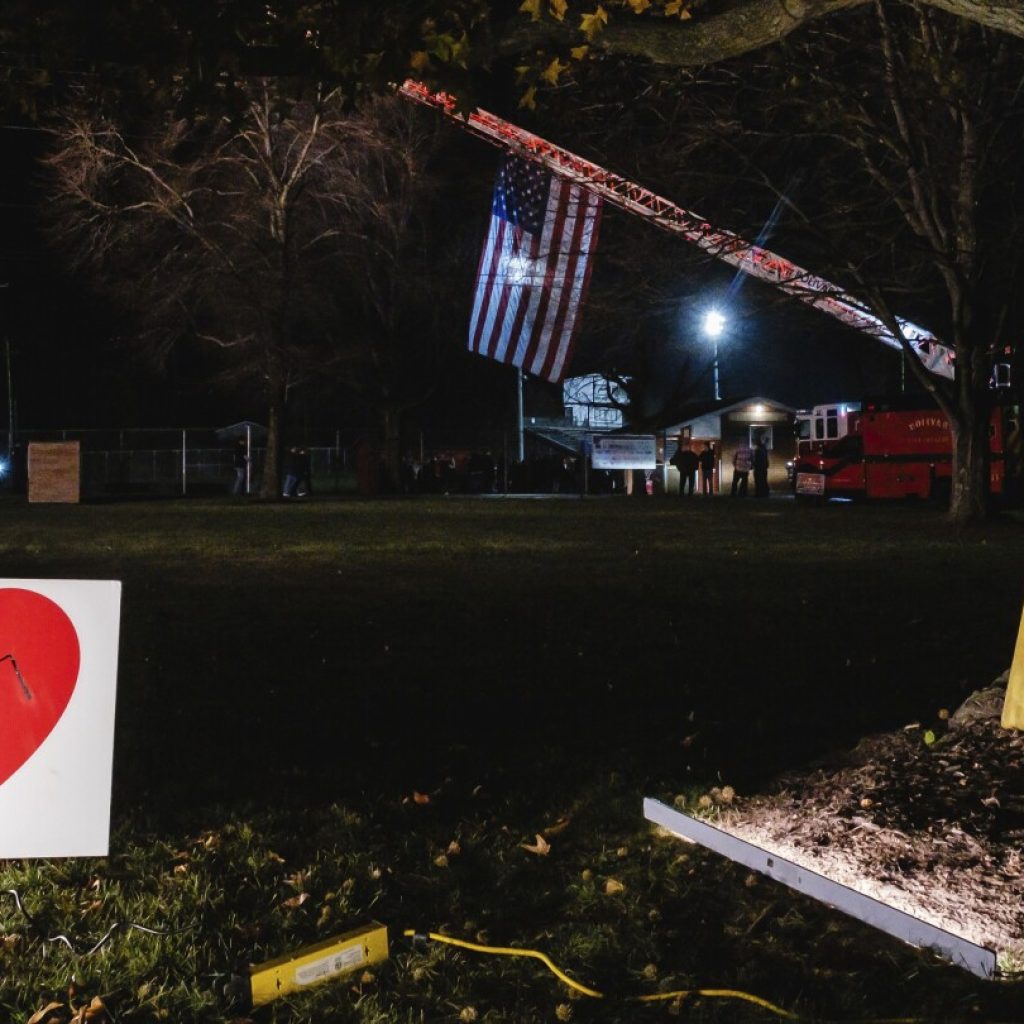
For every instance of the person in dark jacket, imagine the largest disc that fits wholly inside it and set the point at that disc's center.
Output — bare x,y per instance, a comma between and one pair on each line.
686,461
707,468
761,469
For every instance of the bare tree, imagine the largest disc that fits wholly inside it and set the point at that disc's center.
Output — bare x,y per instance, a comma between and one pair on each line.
237,232
886,143
930,112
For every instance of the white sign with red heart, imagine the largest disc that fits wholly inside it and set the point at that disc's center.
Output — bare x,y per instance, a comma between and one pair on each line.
58,676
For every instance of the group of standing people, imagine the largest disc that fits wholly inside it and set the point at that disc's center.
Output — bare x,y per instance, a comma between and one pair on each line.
745,460
689,463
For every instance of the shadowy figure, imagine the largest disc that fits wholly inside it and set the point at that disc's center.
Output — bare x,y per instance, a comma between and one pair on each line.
686,461
241,462
707,468
761,469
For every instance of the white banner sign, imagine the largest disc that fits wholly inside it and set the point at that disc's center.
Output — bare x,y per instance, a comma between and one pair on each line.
625,451
58,675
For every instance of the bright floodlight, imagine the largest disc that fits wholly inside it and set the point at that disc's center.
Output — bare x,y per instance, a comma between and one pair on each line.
714,323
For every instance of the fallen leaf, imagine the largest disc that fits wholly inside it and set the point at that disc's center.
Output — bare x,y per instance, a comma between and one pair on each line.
454,848
296,901
558,827
613,887
542,847
440,861
50,1010
420,798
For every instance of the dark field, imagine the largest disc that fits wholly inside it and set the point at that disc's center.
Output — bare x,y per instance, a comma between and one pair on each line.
290,674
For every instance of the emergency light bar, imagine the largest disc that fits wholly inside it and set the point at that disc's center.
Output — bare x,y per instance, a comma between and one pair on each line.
724,245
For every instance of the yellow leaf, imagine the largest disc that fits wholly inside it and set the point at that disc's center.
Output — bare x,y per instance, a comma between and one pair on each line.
579,52
613,887
419,60
558,8
673,7
95,1010
529,99
592,24
542,847
532,8
639,6
558,827
420,798
552,71
47,1011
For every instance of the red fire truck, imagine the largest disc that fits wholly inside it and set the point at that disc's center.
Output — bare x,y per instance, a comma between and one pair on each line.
893,448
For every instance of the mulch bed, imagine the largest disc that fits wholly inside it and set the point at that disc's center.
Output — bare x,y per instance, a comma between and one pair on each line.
930,823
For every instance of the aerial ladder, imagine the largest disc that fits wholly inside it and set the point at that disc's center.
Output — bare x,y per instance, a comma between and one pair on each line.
721,244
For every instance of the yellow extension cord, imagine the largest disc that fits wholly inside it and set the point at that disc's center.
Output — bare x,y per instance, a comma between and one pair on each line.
711,993
706,993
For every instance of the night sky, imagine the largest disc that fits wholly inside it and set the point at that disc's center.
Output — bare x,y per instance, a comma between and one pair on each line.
72,367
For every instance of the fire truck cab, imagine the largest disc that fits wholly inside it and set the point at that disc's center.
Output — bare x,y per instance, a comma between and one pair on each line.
823,424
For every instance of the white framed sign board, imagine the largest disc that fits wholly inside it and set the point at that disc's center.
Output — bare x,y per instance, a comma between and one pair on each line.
625,451
58,680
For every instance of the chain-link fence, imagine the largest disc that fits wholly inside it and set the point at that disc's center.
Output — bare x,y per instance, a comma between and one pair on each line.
177,462
196,462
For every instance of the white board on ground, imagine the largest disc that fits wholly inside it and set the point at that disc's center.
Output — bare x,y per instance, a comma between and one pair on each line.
58,677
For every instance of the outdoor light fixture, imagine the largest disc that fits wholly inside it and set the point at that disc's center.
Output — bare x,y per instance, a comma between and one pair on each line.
714,324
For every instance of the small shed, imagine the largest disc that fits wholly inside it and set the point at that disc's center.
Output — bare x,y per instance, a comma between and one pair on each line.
727,425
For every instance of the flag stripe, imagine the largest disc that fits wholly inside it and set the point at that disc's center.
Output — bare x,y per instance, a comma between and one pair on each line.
553,220
580,284
554,335
534,270
484,293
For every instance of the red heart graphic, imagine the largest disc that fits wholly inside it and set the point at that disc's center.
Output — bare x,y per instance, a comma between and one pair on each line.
39,658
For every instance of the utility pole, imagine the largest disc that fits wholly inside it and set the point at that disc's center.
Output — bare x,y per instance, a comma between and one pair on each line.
10,406
10,399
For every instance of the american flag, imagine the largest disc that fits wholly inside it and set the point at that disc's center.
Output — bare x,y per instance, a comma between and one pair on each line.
534,269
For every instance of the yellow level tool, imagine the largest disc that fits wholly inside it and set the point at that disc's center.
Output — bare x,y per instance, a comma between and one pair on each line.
321,962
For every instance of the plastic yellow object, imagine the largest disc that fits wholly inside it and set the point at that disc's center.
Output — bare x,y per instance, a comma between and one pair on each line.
324,961
1013,706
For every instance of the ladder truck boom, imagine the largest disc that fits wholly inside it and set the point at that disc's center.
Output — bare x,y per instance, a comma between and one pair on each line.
721,244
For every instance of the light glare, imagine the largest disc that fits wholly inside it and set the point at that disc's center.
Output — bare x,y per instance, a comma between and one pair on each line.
714,323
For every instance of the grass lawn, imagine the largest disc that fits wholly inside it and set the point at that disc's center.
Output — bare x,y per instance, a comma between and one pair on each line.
344,709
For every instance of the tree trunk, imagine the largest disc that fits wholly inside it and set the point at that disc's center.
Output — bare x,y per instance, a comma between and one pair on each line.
969,499
391,454
276,407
